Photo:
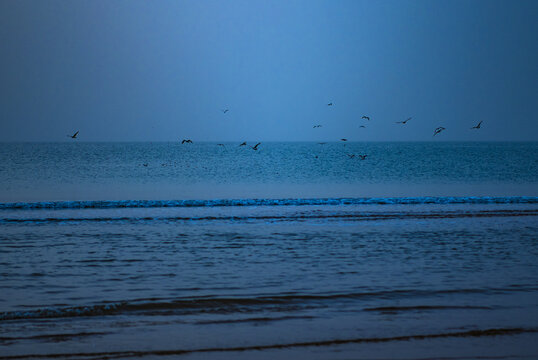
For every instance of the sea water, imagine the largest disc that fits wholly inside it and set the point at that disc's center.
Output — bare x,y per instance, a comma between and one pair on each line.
296,250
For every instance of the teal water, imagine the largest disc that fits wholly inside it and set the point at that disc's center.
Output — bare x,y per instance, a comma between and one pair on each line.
116,171
420,251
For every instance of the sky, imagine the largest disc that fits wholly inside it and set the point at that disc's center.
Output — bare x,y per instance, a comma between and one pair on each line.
165,70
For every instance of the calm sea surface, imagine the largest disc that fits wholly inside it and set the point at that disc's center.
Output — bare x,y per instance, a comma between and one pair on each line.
297,250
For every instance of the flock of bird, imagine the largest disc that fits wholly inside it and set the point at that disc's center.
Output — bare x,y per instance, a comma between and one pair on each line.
351,156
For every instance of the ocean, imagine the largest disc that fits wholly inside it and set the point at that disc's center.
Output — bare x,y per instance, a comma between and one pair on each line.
295,250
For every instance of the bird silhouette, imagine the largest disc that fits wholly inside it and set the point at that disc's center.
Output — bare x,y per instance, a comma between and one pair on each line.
243,143
316,126
366,117
363,157
74,136
224,110
403,122
255,147
343,139
186,141
362,126
330,104
322,143
351,156
438,130
220,144
477,126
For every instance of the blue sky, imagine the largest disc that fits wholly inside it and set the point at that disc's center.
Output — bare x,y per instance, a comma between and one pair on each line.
162,71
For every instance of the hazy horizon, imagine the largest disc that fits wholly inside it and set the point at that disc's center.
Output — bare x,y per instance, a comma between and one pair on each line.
251,142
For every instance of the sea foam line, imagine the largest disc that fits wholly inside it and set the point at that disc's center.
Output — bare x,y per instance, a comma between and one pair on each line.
109,204
357,216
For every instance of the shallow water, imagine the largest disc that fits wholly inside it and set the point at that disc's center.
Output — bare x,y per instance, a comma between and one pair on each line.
405,276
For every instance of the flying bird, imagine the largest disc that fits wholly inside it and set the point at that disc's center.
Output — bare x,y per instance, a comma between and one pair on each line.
243,143
74,136
438,130
403,122
362,126
316,126
224,110
220,144
330,104
366,117
363,157
322,143
186,141
351,156
255,147
477,126
343,139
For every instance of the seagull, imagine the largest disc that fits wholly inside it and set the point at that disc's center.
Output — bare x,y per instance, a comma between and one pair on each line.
363,157
366,117
362,126
74,136
403,122
477,126
438,130
224,110
316,126
145,164
255,147
186,141
351,156
330,104
343,139
243,143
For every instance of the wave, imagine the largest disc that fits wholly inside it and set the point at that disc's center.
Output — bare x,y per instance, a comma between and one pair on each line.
105,204
53,337
231,305
253,320
394,309
330,342
359,216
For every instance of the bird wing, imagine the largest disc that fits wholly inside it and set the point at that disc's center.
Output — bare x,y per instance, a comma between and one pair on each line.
75,134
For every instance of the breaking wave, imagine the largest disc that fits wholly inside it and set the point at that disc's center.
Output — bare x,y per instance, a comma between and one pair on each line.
104,204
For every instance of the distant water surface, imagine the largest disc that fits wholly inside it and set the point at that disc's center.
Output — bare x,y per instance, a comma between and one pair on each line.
116,171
